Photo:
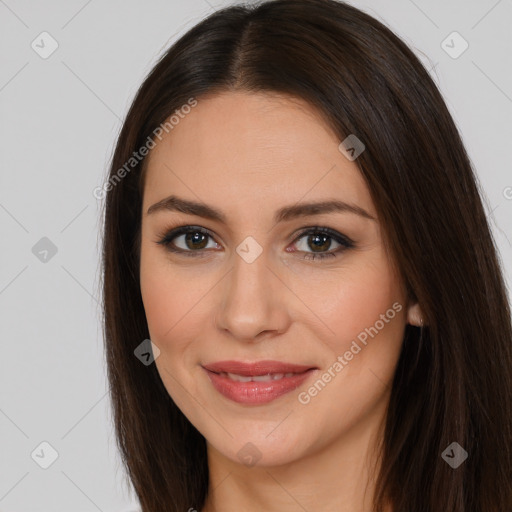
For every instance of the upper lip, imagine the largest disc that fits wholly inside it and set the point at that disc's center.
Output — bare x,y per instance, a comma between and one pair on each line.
256,368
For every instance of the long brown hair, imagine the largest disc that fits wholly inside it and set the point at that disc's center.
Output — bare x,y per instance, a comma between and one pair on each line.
453,381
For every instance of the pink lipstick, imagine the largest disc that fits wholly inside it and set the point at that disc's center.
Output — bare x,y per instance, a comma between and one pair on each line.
258,382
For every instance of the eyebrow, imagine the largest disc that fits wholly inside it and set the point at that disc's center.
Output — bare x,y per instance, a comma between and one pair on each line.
174,203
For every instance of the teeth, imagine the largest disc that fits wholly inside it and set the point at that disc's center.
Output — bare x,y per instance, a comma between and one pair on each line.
257,378
266,378
239,378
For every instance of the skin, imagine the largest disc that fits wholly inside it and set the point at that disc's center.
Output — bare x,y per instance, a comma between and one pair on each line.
249,154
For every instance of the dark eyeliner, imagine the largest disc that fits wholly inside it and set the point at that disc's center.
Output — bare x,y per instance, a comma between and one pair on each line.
343,240
166,240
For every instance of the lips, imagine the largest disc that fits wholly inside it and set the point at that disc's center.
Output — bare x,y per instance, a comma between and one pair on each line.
257,368
256,383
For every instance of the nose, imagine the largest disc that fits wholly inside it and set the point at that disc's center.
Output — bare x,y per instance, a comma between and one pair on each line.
253,301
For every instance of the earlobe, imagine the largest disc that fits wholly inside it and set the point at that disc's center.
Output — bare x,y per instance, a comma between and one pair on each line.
415,315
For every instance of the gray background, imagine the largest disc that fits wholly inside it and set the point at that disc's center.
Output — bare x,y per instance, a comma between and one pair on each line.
59,120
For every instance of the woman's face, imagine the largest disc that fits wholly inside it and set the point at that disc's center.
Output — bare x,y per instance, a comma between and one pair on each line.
249,289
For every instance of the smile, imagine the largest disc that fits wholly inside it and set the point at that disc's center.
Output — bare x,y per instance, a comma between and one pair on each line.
251,386
256,378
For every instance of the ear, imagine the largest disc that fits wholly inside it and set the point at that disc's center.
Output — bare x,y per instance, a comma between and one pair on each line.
415,315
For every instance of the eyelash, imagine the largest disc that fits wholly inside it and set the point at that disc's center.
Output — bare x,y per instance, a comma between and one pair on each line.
346,243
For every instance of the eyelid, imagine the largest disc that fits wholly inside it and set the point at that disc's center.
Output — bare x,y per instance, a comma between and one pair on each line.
336,235
170,234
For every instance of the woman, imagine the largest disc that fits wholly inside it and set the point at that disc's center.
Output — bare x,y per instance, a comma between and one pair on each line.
304,308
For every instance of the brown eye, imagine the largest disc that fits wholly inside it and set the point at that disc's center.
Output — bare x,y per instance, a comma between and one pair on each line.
195,240
319,241
187,239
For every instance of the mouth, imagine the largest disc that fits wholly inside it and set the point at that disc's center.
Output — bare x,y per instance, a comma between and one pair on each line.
256,368
257,378
256,383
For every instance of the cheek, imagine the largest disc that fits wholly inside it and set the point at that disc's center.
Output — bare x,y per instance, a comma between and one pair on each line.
366,313
355,298
172,306
364,303
158,297
368,321
167,297
177,304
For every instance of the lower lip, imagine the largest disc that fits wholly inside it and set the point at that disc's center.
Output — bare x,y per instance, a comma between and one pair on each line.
254,393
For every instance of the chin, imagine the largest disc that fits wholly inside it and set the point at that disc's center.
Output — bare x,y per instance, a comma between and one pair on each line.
254,447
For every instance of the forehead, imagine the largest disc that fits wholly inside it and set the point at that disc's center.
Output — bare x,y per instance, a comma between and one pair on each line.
262,148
